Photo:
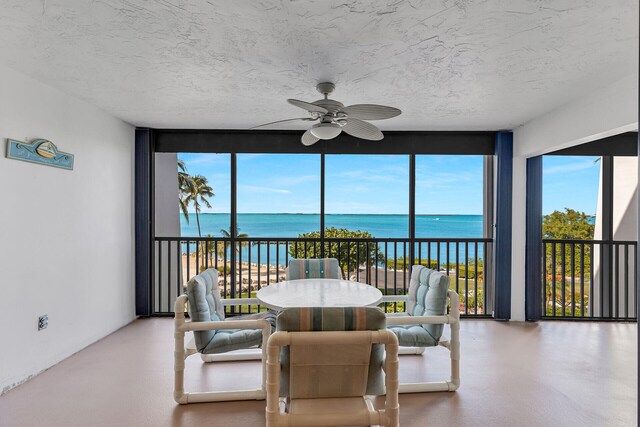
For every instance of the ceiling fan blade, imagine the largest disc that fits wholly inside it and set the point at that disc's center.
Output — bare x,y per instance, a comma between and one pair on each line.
284,121
308,106
308,138
364,130
370,112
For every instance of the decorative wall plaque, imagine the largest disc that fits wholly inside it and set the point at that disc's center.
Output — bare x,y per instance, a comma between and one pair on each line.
39,151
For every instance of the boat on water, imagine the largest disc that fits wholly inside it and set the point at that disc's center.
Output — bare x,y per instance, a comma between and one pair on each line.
46,150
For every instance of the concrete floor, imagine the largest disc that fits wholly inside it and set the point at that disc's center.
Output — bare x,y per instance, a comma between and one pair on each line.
513,374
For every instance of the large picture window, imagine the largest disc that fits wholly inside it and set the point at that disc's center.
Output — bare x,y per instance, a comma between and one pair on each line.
278,194
259,199
368,193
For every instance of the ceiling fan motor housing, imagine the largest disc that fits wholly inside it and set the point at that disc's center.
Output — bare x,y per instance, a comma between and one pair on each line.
330,104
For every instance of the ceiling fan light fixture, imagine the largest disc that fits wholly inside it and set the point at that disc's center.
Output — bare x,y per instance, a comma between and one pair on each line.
326,130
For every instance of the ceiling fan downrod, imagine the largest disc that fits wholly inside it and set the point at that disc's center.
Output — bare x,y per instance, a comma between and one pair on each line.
325,88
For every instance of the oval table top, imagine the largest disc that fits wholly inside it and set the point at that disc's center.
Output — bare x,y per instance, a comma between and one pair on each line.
318,293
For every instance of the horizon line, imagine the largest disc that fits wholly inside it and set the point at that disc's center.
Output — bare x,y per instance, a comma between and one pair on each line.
303,213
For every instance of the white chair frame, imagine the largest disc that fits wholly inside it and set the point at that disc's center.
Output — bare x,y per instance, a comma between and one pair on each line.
389,416
453,345
181,352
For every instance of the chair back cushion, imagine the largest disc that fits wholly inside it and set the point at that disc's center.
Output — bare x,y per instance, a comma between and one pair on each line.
322,268
318,371
427,297
204,304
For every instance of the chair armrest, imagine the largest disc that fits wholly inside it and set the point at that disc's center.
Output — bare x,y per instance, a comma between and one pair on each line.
226,324
239,301
454,300
452,317
394,298
419,320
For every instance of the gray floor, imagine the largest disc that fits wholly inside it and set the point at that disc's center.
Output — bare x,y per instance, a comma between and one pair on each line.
513,374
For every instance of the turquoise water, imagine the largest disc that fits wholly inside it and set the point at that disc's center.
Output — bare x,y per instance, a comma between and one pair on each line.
291,225
381,226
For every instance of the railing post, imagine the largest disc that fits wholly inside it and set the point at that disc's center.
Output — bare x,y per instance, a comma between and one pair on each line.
606,268
412,211
234,227
322,205
488,226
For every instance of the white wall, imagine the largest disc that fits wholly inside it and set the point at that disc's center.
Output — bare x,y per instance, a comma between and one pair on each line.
625,224
167,224
604,112
66,237
167,212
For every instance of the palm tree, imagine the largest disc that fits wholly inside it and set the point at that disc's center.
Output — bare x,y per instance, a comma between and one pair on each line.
184,185
198,191
227,234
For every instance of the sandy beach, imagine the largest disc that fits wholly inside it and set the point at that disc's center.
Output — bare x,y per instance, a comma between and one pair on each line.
253,276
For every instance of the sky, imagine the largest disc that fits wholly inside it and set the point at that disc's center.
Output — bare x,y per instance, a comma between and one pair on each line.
366,184
570,182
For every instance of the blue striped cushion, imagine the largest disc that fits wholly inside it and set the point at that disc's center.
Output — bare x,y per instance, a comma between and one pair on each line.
322,268
306,319
427,297
205,305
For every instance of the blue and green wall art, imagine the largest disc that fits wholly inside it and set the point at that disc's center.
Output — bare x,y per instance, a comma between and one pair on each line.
39,151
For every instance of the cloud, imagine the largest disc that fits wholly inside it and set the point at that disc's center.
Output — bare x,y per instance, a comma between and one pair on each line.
290,181
570,167
206,159
255,189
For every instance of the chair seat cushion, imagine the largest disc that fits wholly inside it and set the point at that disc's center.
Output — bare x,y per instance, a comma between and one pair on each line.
413,336
235,339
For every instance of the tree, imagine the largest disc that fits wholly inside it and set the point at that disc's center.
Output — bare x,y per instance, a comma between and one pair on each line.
567,225
227,234
350,255
197,193
184,185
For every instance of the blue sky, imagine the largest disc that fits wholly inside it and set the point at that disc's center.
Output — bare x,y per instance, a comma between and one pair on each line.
570,182
274,183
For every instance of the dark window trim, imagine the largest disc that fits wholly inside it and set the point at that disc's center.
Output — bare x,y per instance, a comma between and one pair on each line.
288,142
266,141
624,144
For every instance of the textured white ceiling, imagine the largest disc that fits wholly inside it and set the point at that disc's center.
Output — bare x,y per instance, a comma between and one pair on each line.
449,64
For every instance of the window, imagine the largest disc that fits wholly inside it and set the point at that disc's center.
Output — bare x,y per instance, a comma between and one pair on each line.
278,194
368,193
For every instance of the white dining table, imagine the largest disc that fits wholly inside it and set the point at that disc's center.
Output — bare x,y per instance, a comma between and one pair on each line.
318,293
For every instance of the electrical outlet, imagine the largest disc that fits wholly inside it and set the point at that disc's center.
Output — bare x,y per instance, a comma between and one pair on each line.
43,322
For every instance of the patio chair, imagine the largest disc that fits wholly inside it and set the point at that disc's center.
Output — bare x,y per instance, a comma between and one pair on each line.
326,363
422,324
321,268
217,338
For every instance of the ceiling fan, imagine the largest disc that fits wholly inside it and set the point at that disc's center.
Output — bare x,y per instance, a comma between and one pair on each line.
334,117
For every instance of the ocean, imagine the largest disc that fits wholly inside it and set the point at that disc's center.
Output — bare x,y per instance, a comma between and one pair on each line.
291,225
380,226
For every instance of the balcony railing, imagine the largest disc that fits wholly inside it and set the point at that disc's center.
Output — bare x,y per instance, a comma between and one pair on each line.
247,264
589,279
